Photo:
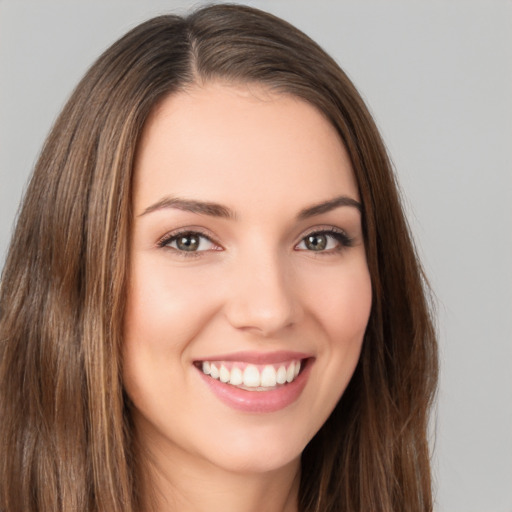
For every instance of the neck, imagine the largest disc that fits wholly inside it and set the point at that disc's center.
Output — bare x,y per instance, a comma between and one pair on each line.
183,485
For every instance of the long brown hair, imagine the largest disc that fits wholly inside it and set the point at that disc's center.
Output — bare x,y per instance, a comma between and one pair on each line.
66,438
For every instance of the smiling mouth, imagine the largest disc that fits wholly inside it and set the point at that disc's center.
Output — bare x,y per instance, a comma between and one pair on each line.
253,377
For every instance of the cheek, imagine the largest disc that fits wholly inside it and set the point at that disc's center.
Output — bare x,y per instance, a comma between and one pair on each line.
343,312
164,309
343,308
340,310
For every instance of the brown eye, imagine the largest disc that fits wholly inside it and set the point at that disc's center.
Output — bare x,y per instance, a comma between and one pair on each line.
189,242
316,242
325,241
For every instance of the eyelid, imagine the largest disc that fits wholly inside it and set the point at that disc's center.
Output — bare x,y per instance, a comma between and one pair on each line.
192,230
339,234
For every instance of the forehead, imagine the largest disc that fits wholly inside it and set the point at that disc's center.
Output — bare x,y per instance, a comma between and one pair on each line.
237,143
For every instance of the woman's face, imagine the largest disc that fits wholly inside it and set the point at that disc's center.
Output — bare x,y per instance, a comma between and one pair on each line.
247,266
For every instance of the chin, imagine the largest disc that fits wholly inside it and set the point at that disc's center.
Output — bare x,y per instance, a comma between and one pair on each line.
243,464
245,454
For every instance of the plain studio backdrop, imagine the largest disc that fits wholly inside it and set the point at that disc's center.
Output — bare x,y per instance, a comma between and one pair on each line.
437,75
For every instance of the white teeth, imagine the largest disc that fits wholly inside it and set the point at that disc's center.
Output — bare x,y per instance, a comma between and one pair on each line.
224,374
252,376
281,375
268,376
290,373
214,372
236,377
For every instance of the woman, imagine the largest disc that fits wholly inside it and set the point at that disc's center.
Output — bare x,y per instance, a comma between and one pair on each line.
211,297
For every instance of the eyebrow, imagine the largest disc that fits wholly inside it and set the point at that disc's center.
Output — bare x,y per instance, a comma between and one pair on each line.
327,206
218,210
191,205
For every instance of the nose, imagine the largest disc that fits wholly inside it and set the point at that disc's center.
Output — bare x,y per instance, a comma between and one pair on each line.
262,298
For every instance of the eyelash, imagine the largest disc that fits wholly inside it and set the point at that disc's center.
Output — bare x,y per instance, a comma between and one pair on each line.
343,240
167,239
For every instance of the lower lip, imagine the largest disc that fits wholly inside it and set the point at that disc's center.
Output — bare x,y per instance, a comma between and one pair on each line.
259,401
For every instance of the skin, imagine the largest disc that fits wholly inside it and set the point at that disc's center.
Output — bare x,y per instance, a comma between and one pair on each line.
252,285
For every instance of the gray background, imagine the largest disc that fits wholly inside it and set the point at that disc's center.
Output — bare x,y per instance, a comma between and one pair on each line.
438,78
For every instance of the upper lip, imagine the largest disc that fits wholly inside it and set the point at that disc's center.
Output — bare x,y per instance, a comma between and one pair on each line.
280,356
